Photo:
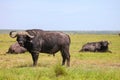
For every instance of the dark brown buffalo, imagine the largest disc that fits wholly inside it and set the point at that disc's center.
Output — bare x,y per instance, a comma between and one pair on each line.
16,48
50,42
101,46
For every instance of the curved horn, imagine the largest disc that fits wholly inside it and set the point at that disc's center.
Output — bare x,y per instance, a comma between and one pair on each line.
13,34
29,35
26,33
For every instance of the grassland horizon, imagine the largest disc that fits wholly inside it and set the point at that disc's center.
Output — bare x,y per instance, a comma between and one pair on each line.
6,31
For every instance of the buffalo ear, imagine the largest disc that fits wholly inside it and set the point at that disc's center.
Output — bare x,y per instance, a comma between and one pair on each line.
31,41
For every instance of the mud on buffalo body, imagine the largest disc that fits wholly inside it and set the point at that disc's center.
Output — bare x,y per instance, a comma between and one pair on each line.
50,42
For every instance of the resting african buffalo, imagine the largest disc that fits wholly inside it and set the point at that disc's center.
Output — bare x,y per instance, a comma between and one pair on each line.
50,42
101,46
16,48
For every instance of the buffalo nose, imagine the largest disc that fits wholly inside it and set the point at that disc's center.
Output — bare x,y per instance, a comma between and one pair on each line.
21,43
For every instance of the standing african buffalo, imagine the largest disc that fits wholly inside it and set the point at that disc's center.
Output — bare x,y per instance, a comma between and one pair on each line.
16,48
101,46
50,42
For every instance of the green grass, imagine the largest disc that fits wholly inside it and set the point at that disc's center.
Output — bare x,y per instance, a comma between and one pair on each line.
59,73
84,66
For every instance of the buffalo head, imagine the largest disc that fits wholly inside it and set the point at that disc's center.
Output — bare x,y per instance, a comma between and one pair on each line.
22,37
105,43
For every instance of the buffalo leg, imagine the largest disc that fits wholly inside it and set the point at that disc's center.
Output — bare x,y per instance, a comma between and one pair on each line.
66,56
68,59
35,58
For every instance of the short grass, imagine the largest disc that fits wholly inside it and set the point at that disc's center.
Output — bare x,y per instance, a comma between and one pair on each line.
84,66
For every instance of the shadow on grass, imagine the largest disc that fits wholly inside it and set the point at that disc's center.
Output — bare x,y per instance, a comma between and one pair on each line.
38,65
25,65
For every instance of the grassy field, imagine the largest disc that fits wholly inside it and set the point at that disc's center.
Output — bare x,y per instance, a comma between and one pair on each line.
84,66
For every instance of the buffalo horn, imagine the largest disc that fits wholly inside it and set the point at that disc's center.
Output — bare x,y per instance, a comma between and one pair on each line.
25,33
13,34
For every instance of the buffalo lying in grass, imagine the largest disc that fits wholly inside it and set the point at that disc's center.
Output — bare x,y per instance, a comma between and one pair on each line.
101,46
16,48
